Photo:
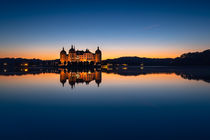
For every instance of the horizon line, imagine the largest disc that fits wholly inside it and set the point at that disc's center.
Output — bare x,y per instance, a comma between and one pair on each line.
15,57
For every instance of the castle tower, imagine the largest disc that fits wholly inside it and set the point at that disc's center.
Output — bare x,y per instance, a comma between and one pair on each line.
63,77
72,54
72,79
98,77
98,56
63,57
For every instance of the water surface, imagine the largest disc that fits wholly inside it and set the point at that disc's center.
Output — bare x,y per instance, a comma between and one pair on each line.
149,103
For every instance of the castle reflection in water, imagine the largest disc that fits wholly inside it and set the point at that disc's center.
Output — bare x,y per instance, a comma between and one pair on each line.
79,77
85,76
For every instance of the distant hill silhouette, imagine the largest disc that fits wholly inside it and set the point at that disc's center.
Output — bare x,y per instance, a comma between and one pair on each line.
196,58
133,61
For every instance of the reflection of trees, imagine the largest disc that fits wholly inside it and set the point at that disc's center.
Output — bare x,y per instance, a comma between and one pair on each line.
75,77
25,71
205,76
190,73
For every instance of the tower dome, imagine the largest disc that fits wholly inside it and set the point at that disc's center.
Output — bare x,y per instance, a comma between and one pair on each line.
72,50
98,51
63,51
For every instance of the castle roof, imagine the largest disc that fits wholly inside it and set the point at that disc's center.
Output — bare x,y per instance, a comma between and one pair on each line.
87,51
79,52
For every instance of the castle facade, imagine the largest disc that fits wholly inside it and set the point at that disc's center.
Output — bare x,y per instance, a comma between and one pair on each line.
80,56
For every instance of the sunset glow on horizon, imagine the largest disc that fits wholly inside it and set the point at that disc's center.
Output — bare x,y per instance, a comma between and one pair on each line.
46,53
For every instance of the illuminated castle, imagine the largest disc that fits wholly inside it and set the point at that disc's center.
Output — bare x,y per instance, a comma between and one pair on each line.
80,56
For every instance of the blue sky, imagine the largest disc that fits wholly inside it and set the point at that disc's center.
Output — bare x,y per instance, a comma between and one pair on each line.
147,28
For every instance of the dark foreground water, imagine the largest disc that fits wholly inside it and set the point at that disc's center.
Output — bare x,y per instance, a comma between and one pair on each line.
150,103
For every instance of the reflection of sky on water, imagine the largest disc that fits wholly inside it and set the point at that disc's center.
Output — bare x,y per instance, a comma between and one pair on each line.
127,107
113,89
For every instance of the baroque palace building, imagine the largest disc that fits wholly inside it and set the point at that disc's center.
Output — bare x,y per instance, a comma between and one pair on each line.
80,56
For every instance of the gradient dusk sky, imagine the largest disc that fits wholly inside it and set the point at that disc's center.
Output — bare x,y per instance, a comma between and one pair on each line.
144,28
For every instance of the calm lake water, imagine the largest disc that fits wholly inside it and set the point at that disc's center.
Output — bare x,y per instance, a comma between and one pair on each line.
147,103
